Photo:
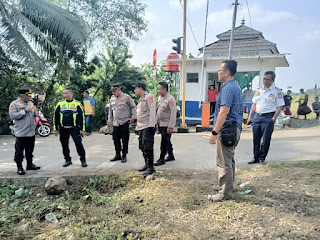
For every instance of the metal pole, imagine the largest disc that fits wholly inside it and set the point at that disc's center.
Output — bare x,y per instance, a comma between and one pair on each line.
203,52
234,16
184,73
175,86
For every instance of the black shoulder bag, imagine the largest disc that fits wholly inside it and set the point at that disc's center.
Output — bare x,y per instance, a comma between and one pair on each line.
229,135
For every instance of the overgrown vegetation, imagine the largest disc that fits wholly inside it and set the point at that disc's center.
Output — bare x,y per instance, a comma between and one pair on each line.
284,204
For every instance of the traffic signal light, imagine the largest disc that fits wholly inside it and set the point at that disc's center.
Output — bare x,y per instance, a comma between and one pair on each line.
177,48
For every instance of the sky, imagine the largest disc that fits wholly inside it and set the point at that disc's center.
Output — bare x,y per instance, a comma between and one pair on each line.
293,25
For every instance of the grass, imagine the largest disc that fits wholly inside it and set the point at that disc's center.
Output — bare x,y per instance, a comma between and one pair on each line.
284,204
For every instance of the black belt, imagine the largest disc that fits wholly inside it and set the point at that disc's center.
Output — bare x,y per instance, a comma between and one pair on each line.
67,126
264,114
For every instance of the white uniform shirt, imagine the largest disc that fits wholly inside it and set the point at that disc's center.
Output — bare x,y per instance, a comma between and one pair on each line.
268,100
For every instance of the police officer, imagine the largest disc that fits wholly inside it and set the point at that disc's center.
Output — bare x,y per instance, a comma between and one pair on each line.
22,112
69,120
121,105
166,118
267,103
146,122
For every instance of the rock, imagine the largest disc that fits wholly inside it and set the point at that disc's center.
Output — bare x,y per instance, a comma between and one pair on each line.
56,185
23,229
106,130
138,199
150,178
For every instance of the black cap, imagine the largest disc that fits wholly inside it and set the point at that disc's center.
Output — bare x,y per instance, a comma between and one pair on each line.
26,91
115,86
140,85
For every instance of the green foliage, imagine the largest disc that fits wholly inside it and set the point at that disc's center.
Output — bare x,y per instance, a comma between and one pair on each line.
11,78
37,30
7,192
313,92
162,75
111,21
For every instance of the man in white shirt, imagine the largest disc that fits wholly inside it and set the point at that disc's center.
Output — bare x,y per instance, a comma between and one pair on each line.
267,103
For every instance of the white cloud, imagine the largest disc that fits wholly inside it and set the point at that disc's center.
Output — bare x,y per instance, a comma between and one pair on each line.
151,17
143,50
221,21
193,5
175,3
262,17
311,36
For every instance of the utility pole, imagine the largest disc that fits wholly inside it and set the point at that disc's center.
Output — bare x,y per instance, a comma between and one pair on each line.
203,53
234,16
184,73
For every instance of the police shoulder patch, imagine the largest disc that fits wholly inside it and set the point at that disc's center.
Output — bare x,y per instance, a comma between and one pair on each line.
151,99
12,105
171,102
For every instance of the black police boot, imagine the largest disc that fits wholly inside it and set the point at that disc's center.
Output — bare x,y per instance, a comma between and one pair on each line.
115,158
67,163
143,168
20,170
262,161
32,167
160,161
145,165
253,161
170,158
84,164
124,158
149,171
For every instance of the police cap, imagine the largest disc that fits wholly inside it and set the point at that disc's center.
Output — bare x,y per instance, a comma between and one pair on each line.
26,91
115,87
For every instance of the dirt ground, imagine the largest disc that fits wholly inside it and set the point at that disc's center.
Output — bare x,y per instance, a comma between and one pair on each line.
283,204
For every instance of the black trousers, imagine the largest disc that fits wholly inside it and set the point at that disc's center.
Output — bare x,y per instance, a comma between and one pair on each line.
146,141
65,134
24,144
212,107
166,146
121,133
262,128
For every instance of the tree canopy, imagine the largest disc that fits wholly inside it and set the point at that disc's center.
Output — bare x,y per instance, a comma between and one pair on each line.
33,31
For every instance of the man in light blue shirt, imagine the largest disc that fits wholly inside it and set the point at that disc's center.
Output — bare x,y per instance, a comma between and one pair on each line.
228,115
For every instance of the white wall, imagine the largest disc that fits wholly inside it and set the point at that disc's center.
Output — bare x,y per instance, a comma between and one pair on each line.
212,65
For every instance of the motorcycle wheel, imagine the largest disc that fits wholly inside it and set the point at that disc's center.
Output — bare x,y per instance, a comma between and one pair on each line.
43,130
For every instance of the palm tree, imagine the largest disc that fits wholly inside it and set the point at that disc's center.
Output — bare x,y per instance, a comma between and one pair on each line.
33,31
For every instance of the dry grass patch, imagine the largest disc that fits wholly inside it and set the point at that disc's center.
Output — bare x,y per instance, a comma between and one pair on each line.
284,204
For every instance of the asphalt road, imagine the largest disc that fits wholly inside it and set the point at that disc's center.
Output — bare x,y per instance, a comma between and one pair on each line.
192,151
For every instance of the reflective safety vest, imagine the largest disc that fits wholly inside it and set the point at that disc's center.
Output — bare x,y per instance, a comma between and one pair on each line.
67,114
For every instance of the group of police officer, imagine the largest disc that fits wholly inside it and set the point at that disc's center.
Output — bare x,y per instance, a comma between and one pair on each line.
123,112
68,120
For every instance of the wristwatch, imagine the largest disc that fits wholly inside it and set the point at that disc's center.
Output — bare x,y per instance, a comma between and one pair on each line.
214,133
